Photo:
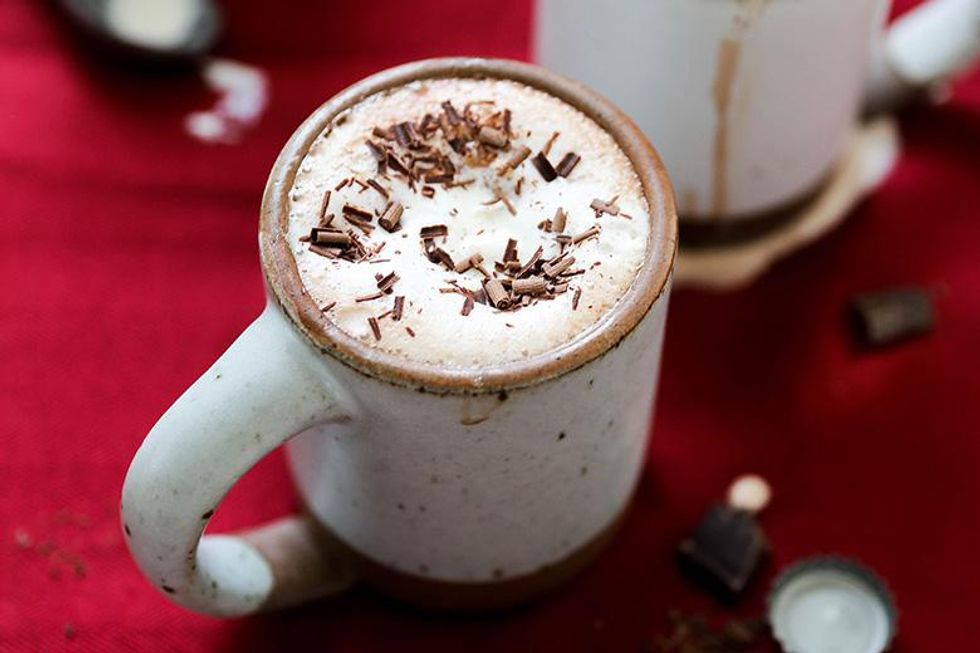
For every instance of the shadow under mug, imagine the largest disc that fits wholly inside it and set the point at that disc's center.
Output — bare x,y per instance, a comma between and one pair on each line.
449,488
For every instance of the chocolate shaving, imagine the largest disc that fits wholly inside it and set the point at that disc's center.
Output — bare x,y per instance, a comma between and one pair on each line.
390,218
467,305
567,164
544,167
517,186
409,331
385,283
510,251
328,307
373,183
396,164
351,210
496,294
365,226
575,298
323,251
588,233
438,178
343,182
516,159
329,237
433,231
601,207
556,266
492,137
377,151
428,191
530,263
468,262
451,113
321,216
396,312
438,255
384,134
546,150
558,222
532,286
375,327
402,135
371,297
498,196
428,122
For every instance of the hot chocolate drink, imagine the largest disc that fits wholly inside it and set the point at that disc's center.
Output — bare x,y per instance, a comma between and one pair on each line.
466,222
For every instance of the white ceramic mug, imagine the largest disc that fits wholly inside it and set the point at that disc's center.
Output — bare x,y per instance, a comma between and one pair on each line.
751,102
447,487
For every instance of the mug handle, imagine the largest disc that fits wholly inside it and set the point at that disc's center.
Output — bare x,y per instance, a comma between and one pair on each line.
927,44
266,388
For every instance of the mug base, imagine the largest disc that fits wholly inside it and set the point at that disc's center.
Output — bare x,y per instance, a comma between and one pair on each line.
714,230
722,264
468,597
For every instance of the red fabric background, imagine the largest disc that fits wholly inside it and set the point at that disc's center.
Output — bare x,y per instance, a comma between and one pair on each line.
128,263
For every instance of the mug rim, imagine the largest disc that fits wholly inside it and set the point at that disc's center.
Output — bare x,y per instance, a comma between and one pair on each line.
651,281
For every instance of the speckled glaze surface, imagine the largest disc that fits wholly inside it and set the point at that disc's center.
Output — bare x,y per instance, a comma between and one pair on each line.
431,482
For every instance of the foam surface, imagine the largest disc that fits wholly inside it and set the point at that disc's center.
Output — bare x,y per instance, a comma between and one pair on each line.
487,336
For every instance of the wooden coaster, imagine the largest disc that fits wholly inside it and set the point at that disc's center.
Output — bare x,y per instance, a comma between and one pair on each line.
871,155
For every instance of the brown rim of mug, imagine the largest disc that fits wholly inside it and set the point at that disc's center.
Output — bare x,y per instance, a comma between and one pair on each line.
284,281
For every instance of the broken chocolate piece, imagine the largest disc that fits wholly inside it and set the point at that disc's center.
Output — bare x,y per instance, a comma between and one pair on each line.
728,545
567,164
544,167
890,316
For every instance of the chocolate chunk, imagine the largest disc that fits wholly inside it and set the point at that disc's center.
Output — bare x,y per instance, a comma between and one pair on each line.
890,316
724,552
567,164
544,167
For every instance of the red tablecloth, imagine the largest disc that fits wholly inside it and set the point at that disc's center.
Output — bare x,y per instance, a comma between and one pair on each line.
128,263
